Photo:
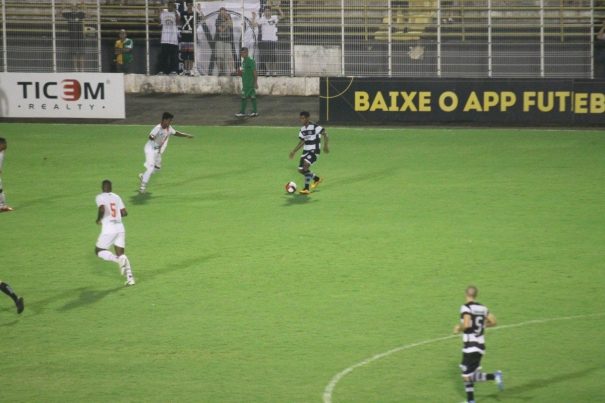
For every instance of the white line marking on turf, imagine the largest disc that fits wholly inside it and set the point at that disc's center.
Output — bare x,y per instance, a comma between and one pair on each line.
329,390
294,126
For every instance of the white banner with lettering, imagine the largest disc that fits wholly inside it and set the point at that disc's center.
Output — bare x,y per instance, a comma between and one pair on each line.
62,95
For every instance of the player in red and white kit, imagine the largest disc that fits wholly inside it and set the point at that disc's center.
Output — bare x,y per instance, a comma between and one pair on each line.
155,147
110,213
3,205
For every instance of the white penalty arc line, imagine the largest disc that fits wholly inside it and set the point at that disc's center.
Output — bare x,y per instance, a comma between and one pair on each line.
329,390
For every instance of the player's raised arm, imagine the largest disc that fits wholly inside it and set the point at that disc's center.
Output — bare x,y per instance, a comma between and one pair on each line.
182,134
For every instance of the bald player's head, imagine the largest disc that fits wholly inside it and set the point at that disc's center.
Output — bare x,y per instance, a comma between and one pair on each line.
472,292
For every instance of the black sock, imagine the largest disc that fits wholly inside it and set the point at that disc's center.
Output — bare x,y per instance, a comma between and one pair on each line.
5,288
470,391
315,178
482,377
308,178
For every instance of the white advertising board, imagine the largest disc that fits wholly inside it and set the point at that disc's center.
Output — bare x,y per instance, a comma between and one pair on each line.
62,95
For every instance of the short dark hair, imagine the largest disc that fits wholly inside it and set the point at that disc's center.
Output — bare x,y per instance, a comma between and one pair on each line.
167,115
2,140
305,114
244,49
106,183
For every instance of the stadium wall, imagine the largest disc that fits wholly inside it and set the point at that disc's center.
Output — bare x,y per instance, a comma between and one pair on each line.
214,85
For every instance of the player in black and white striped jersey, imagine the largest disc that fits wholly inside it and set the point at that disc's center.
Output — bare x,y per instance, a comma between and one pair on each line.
310,137
474,318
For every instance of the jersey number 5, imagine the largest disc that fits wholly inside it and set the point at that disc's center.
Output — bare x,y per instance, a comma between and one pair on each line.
479,324
112,208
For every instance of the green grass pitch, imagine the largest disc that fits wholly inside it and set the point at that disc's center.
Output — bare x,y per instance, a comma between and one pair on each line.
246,294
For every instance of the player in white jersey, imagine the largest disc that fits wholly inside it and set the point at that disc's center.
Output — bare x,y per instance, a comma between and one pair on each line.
156,146
3,205
310,137
474,318
110,213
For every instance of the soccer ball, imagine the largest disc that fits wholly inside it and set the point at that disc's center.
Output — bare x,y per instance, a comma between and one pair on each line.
290,187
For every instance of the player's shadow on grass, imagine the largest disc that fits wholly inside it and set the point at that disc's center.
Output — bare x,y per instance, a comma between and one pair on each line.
11,323
296,200
8,312
364,177
87,296
215,175
140,198
521,391
178,266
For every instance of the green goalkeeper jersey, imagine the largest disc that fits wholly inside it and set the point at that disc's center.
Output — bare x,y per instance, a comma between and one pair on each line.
248,67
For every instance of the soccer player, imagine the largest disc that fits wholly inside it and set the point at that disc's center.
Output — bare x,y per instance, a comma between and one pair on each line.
110,213
474,318
3,205
155,147
249,84
310,136
5,288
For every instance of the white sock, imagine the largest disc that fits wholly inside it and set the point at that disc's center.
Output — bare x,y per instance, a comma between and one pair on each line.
146,177
2,199
107,255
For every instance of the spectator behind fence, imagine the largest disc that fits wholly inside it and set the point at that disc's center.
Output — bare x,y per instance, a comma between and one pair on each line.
186,44
75,16
268,3
123,53
223,42
599,57
268,39
169,49
250,37
202,27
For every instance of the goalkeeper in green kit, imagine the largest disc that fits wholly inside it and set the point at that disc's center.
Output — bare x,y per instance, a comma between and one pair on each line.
249,84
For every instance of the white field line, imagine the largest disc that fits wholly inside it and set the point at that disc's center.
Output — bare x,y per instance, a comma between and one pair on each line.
329,389
295,127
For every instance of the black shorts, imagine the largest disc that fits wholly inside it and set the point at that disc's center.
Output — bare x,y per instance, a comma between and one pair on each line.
471,362
308,156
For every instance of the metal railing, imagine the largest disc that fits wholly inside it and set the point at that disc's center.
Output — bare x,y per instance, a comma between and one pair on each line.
414,38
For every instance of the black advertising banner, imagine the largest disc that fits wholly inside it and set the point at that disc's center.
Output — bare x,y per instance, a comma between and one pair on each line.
466,101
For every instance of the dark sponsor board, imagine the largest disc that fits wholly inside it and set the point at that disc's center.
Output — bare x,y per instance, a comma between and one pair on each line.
466,101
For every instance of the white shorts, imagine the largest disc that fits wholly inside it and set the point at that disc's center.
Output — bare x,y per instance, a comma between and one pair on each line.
153,158
106,240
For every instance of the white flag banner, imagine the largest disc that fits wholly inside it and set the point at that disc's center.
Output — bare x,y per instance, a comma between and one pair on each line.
241,16
62,95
